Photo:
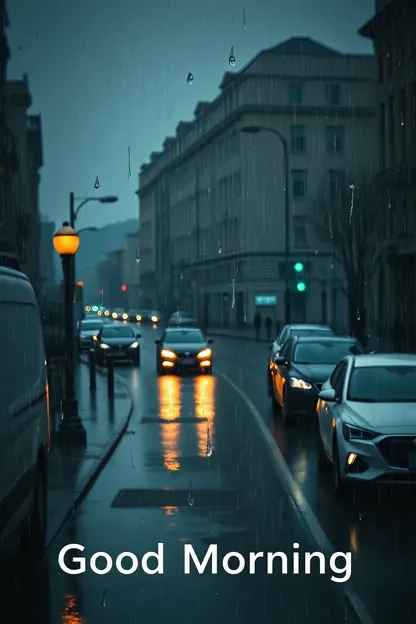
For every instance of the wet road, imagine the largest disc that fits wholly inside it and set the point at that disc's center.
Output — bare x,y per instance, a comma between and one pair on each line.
195,454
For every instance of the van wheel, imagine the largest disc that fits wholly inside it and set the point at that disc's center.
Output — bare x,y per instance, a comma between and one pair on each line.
34,533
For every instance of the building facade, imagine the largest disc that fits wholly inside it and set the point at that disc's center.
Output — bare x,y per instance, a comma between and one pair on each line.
47,268
392,30
212,203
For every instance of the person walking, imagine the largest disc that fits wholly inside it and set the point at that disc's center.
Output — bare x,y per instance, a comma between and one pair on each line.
257,324
268,325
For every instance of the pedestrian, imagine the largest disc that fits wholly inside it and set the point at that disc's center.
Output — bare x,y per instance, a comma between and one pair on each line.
268,325
398,334
257,324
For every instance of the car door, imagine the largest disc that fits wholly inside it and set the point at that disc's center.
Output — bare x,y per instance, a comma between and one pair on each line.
330,411
281,372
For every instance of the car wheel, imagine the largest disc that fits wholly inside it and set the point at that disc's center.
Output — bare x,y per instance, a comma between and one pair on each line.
159,369
269,384
34,533
286,413
208,370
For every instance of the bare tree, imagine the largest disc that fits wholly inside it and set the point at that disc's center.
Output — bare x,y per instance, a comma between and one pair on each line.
347,216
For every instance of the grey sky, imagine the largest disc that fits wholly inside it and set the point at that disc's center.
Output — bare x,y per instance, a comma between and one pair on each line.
107,75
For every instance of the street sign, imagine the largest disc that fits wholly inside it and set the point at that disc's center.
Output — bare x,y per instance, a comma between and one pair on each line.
265,300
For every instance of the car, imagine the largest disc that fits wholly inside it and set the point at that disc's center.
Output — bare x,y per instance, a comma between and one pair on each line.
182,319
302,367
119,342
367,420
287,332
155,317
86,330
25,417
145,316
133,315
119,314
183,349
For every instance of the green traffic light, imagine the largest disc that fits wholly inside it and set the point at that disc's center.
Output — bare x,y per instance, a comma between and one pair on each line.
298,267
301,286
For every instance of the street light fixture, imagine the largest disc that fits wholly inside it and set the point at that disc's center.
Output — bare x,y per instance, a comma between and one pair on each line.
257,130
87,229
66,244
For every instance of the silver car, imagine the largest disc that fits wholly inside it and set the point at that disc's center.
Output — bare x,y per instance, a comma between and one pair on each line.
367,420
290,331
87,329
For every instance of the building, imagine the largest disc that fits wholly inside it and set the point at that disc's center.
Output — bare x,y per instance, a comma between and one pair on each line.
131,260
110,279
47,268
212,226
392,31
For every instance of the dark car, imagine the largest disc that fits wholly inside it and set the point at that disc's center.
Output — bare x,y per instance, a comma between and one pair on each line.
182,319
302,367
144,316
133,315
119,342
289,331
86,330
183,349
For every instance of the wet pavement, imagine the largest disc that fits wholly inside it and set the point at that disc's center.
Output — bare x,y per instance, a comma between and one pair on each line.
199,476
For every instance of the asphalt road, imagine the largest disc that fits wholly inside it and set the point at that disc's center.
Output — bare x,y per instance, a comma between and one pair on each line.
202,474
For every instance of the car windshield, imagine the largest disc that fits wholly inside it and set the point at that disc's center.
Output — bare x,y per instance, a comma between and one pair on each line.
185,337
91,325
324,352
309,332
117,332
383,384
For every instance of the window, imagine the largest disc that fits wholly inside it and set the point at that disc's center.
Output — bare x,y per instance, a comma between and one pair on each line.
297,138
299,230
295,93
335,139
328,352
336,182
383,384
333,95
299,183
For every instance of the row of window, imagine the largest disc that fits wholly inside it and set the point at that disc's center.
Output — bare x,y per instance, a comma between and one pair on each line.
397,117
296,94
400,55
334,139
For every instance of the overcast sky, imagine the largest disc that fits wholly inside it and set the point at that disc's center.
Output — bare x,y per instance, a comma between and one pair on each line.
106,75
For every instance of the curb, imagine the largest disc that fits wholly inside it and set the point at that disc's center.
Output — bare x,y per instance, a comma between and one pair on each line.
239,337
102,462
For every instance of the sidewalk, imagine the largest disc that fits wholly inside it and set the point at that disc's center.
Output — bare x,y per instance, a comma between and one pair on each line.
73,471
244,334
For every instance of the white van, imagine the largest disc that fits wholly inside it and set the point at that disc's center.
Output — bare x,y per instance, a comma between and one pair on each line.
24,415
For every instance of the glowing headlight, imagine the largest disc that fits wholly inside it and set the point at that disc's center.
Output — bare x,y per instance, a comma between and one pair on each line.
94,337
114,315
125,317
138,317
300,383
168,354
99,313
154,319
106,313
104,346
134,345
206,353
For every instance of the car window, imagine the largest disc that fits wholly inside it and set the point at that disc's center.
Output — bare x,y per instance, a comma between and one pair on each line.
383,384
335,374
325,352
117,332
282,337
339,382
286,349
193,337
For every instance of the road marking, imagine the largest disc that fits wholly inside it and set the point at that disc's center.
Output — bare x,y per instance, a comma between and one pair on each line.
293,490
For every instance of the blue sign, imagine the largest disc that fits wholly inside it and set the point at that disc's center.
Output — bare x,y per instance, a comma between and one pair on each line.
265,300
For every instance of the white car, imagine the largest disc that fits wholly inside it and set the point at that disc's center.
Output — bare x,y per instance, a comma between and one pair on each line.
367,420
289,331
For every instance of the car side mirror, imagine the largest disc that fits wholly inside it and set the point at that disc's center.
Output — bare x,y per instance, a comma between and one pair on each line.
138,335
157,341
210,341
328,395
280,361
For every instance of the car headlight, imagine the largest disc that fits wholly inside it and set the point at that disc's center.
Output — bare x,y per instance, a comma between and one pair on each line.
95,338
154,319
356,433
170,355
125,317
104,346
138,317
206,353
301,384
134,345
114,315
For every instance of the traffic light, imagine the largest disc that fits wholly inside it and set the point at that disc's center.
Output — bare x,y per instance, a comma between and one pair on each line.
300,279
123,287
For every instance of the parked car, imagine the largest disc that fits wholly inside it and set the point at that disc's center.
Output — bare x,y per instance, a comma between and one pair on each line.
24,416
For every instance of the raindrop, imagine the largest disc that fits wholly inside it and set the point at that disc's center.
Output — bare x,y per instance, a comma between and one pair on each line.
231,58
219,249
233,293
104,599
315,249
189,78
131,449
181,276
244,20
358,315
352,187
209,445
360,516
129,174
401,119
138,255
97,183
190,495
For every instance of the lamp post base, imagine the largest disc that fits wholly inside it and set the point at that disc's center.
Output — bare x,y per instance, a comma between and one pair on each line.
71,429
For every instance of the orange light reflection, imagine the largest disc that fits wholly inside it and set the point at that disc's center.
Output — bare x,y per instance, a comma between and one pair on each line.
170,409
170,510
70,614
204,397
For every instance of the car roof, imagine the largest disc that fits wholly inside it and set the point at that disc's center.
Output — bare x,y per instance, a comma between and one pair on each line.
384,359
171,330
328,339
311,326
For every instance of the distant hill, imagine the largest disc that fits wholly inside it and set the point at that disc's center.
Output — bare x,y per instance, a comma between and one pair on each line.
93,248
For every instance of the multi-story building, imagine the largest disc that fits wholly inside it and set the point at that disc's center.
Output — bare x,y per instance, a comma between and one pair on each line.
131,269
212,224
47,269
110,279
392,29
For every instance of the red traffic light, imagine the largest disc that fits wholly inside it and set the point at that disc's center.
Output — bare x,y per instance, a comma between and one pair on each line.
124,287
101,292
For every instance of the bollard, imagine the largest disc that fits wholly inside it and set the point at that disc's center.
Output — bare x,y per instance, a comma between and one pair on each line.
93,372
110,377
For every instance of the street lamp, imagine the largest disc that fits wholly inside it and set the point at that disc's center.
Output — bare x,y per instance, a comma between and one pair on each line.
87,229
256,130
73,213
66,243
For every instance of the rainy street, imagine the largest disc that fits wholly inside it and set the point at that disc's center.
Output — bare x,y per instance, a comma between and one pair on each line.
200,475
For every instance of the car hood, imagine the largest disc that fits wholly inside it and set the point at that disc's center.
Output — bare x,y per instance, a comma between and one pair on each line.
316,373
88,333
384,417
184,347
123,342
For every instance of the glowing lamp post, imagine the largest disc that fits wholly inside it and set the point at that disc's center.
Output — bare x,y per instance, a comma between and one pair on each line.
66,243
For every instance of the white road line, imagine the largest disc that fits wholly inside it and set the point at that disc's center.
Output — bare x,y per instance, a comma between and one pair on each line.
293,490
